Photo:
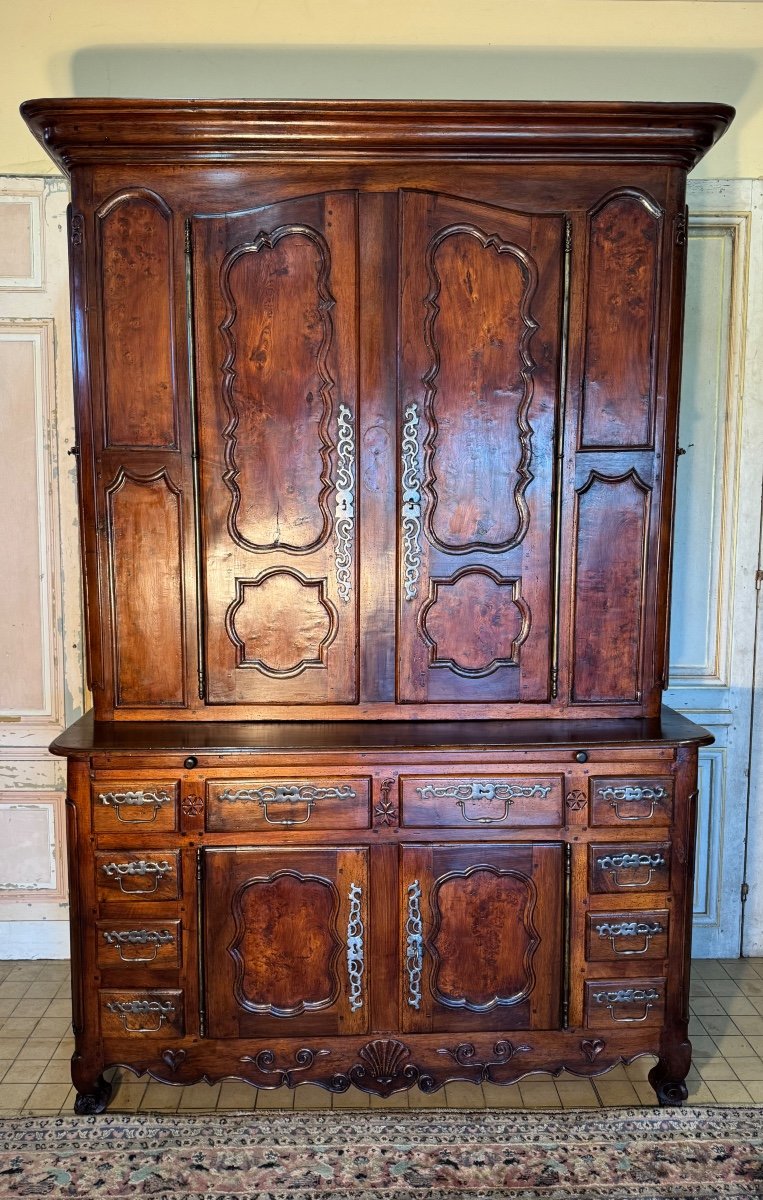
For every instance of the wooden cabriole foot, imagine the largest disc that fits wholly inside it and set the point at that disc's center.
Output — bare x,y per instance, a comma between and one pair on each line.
94,1101
670,1093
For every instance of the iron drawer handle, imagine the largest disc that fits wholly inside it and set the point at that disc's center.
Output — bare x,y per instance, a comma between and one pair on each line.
355,954
127,1008
615,863
286,793
139,799
648,996
630,929
287,820
119,938
485,820
632,795
121,871
414,945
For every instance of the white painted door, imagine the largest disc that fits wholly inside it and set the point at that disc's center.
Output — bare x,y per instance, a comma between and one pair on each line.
717,535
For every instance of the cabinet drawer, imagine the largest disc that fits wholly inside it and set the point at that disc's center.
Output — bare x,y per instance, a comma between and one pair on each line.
138,875
624,1002
149,804
150,1013
144,943
282,804
616,935
645,800
447,801
628,868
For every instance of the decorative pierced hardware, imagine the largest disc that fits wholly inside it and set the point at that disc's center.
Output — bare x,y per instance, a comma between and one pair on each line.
265,1062
174,1058
286,793
355,957
591,1048
484,790
575,801
633,795
616,929
131,800
411,503
193,806
464,1055
646,996
615,863
344,516
128,1008
386,810
414,945
141,866
119,938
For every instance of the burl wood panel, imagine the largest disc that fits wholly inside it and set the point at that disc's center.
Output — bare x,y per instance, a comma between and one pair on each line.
612,523
146,580
480,329
136,278
276,940
623,296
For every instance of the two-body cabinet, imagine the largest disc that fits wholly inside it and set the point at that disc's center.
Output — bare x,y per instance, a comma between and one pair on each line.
377,410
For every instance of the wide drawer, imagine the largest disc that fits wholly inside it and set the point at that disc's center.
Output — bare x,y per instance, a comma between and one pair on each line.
138,875
644,800
145,943
624,1002
448,801
150,1013
288,803
611,936
137,803
614,867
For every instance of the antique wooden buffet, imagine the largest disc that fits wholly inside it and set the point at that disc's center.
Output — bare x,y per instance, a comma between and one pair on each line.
377,436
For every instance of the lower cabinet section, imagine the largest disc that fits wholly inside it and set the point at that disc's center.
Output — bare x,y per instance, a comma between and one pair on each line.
384,923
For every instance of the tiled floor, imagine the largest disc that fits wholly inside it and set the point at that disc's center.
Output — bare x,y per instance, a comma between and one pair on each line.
726,1032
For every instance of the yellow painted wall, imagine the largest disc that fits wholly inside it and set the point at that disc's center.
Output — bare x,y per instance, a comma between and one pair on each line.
508,49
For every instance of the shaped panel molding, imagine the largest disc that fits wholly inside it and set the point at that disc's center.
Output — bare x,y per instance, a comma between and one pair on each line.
281,623
277,386
625,235
479,388
499,622
136,279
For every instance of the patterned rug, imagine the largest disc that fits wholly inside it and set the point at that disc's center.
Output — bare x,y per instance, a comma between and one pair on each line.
621,1154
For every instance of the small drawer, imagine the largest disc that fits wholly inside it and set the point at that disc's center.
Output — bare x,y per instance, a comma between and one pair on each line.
283,804
457,801
144,943
154,1013
624,1002
630,868
645,801
138,875
119,802
616,935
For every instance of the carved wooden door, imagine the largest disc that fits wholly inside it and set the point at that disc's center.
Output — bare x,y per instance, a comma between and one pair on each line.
276,327
482,937
285,938
481,320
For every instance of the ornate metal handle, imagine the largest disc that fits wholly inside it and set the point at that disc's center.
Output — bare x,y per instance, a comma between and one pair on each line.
615,863
138,867
285,793
630,929
632,795
647,996
414,945
138,937
344,514
483,789
485,820
411,503
139,799
355,954
127,1008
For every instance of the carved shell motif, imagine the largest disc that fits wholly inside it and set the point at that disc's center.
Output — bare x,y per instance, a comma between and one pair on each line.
384,1058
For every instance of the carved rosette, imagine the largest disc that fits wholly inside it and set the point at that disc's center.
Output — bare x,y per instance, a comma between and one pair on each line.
344,516
411,511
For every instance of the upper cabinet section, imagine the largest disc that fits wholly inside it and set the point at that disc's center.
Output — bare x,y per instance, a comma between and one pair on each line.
377,402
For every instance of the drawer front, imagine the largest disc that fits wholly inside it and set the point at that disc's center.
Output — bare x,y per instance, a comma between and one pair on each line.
138,875
635,801
149,1013
624,1002
151,804
617,935
629,868
144,943
283,804
458,801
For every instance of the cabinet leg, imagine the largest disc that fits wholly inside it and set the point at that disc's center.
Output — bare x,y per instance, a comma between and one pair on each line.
668,1074
94,1100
